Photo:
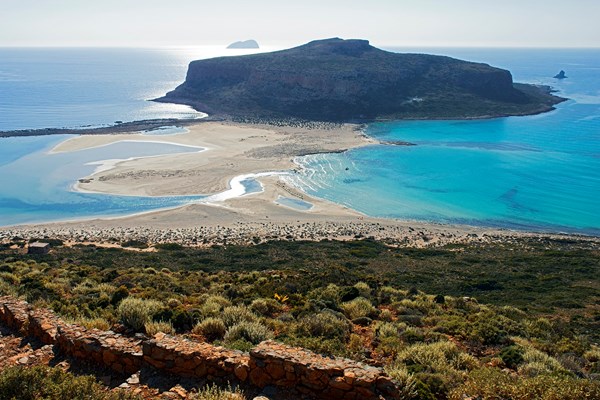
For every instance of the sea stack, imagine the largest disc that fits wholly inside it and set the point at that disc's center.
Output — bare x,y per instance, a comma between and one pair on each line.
246,44
560,75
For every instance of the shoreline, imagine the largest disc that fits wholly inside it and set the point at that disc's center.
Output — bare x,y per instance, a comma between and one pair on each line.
238,151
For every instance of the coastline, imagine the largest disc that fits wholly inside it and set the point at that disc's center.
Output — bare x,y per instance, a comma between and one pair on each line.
236,151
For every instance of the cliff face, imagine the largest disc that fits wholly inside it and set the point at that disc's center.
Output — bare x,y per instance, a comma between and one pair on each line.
339,79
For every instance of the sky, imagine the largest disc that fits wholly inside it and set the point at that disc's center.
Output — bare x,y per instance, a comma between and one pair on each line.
419,23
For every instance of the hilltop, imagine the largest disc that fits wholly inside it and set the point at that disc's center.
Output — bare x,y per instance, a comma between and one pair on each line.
347,80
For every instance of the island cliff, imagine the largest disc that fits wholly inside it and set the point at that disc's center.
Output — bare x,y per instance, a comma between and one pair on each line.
349,80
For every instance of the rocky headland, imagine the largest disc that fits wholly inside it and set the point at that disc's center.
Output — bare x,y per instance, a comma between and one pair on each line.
350,80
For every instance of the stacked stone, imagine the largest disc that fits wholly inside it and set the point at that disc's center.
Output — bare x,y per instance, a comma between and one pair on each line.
14,313
43,325
120,353
194,359
273,363
270,363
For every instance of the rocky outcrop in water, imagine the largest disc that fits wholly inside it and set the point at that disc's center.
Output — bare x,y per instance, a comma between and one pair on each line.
344,80
561,75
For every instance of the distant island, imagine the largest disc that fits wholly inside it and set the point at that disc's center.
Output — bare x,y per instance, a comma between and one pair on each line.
246,44
350,80
561,75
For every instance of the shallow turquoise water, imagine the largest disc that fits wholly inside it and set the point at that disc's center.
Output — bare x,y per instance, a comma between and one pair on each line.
294,203
36,186
539,172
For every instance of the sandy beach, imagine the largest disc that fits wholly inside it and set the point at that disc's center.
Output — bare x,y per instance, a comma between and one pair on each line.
232,150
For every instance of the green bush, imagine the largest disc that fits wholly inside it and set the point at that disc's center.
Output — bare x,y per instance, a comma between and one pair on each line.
440,357
233,315
265,307
324,324
406,382
154,327
253,332
119,294
358,308
211,328
488,383
40,382
135,313
512,356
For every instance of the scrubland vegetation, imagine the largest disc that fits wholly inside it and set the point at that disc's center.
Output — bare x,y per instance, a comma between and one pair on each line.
517,321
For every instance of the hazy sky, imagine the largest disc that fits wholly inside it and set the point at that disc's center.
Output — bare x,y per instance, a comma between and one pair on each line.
545,23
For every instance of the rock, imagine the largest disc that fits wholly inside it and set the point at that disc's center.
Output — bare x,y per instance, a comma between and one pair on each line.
134,379
245,44
561,75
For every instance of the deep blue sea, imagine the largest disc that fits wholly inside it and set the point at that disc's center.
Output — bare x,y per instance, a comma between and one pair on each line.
539,172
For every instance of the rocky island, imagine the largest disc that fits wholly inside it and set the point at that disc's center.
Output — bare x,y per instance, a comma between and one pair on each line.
245,44
561,75
350,80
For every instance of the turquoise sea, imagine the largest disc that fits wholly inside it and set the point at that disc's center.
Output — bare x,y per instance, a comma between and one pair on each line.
539,172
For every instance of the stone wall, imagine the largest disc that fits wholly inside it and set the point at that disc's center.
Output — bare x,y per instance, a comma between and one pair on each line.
190,358
273,363
120,353
268,364
14,313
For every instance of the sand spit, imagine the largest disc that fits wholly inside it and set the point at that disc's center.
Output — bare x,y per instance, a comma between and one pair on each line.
233,150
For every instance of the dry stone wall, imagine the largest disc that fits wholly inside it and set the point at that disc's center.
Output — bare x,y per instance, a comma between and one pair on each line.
268,364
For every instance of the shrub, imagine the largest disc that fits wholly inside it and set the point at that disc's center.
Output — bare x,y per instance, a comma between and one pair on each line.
211,328
363,289
349,293
406,382
442,357
91,323
386,329
512,356
489,383
439,299
135,313
253,332
233,315
40,382
119,294
386,315
154,327
357,308
324,324
388,294
537,363
213,306
173,303
214,392
9,278
265,307
6,289
330,295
